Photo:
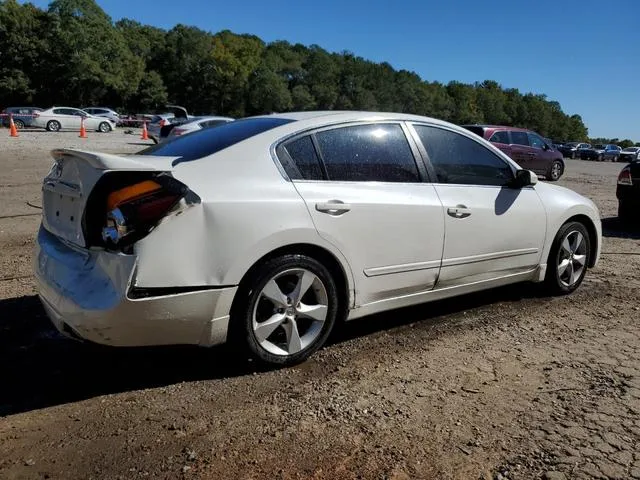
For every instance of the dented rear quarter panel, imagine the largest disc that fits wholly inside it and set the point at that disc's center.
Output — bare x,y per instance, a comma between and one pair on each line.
241,218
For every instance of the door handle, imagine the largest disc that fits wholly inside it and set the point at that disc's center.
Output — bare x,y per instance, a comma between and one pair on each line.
333,207
459,211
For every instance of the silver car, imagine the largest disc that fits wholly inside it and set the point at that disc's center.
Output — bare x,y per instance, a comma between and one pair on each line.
266,231
195,125
55,119
104,112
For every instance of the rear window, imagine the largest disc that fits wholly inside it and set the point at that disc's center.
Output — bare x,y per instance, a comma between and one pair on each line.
211,140
477,130
500,137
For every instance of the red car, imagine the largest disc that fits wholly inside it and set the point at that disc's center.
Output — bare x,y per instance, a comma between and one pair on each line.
527,148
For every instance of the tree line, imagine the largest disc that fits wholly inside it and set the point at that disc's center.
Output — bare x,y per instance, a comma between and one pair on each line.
74,54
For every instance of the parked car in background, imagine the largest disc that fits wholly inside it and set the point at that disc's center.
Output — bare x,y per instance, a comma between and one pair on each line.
601,153
572,149
628,192
612,153
104,112
195,125
159,127
22,116
630,154
526,147
66,118
289,223
156,123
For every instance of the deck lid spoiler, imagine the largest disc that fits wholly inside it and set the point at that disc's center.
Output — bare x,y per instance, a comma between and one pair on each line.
108,161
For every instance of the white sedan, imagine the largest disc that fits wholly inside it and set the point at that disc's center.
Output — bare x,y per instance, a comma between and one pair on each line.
268,230
55,119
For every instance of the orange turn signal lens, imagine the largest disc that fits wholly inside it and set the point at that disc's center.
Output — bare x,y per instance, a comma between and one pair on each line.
132,192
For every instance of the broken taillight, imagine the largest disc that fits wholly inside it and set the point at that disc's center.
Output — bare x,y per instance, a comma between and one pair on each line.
134,210
625,177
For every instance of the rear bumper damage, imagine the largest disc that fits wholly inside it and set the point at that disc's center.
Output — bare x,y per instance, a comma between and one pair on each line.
87,294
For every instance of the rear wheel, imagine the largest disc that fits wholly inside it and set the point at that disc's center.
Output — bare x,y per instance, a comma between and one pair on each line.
53,126
286,311
567,262
19,124
556,171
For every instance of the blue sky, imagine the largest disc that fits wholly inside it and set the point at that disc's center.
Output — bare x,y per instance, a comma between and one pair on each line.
583,53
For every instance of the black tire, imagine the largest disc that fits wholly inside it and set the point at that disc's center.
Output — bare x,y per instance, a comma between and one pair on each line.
19,124
553,281
53,126
573,155
555,171
600,158
104,127
246,304
615,159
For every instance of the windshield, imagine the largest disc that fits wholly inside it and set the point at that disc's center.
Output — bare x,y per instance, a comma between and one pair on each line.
209,141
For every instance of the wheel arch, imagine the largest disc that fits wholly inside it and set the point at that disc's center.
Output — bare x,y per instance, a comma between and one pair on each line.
593,236
340,272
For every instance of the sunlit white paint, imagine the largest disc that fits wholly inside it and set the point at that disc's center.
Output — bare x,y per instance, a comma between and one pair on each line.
396,243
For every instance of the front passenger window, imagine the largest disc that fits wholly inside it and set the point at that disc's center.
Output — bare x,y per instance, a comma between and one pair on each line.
458,159
536,141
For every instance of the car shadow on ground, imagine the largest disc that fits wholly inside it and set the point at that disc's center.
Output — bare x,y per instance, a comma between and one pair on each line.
40,368
614,227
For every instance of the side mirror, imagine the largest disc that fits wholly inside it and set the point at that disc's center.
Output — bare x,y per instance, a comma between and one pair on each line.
546,147
524,178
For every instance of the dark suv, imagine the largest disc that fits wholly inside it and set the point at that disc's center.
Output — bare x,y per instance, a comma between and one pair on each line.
22,116
526,148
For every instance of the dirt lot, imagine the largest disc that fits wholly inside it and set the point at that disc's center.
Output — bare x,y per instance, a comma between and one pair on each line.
505,384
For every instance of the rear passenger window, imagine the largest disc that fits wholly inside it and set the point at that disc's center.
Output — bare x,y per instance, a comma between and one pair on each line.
368,153
459,160
306,165
500,137
520,138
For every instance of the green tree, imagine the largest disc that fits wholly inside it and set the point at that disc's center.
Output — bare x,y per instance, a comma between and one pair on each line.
91,61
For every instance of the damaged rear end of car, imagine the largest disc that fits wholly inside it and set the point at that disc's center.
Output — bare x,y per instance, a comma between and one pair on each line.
97,208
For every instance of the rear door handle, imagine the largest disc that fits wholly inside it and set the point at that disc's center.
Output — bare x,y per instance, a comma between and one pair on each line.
333,207
459,211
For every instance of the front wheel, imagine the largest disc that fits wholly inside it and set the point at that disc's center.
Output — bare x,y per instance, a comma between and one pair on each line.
573,155
568,258
556,170
286,311
600,158
104,127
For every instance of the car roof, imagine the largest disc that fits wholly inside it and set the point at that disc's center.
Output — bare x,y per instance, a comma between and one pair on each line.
331,116
205,119
498,127
20,108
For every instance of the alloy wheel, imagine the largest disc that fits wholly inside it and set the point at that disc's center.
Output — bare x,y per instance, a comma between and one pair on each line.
290,312
572,258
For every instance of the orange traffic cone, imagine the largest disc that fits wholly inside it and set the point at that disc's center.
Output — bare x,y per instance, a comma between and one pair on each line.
13,131
83,131
145,133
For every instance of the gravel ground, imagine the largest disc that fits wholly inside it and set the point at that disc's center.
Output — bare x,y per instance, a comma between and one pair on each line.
506,384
